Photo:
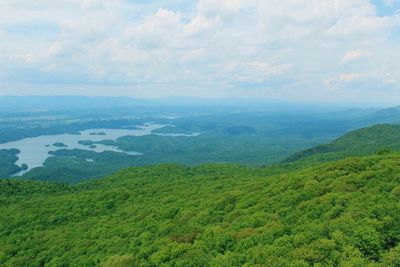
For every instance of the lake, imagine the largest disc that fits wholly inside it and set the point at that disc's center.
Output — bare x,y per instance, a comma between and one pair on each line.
35,150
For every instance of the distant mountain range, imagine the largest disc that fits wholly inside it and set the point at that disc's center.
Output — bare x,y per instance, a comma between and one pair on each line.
45,103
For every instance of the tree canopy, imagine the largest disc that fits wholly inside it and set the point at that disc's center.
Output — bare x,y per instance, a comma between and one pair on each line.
344,213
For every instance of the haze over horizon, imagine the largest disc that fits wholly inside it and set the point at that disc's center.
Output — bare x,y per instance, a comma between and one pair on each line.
344,51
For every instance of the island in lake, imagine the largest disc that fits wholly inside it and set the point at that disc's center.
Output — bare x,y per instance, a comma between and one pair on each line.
59,144
100,133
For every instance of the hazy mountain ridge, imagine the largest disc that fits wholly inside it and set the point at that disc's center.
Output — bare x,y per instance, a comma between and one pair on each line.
360,142
63,102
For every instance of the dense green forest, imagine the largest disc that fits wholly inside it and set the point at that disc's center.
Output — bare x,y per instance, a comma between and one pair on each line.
331,205
8,157
246,138
344,213
75,165
253,135
360,142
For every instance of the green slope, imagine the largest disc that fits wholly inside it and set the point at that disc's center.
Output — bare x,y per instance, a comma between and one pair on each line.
8,158
345,213
362,142
387,115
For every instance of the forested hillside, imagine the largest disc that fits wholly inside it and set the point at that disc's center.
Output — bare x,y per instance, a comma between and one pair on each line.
247,133
365,141
8,157
345,213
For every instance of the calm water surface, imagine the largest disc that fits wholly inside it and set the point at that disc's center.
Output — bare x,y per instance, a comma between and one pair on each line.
35,150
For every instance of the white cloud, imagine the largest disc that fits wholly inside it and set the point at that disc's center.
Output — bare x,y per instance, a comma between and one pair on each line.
360,25
288,45
354,55
55,49
391,82
328,83
350,77
250,72
199,24
390,2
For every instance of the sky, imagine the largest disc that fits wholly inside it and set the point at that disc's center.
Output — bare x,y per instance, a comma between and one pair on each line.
306,50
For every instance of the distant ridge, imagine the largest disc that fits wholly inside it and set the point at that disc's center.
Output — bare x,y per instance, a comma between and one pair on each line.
61,102
388,115
360,142
22,103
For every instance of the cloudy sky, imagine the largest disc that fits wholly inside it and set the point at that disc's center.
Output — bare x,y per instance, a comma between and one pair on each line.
316,50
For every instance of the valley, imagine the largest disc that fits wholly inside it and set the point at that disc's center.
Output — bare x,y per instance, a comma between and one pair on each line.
91,146
275,188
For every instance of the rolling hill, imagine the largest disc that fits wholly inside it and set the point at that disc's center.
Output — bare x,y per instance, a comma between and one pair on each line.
361,142
344,213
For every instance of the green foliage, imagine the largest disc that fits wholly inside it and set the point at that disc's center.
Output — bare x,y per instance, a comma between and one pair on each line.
8,157
247,137
24,167
345,213
172,130
251,138
379,139
59,144
72,166
120,261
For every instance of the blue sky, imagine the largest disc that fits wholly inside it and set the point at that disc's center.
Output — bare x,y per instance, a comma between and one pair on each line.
307,50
